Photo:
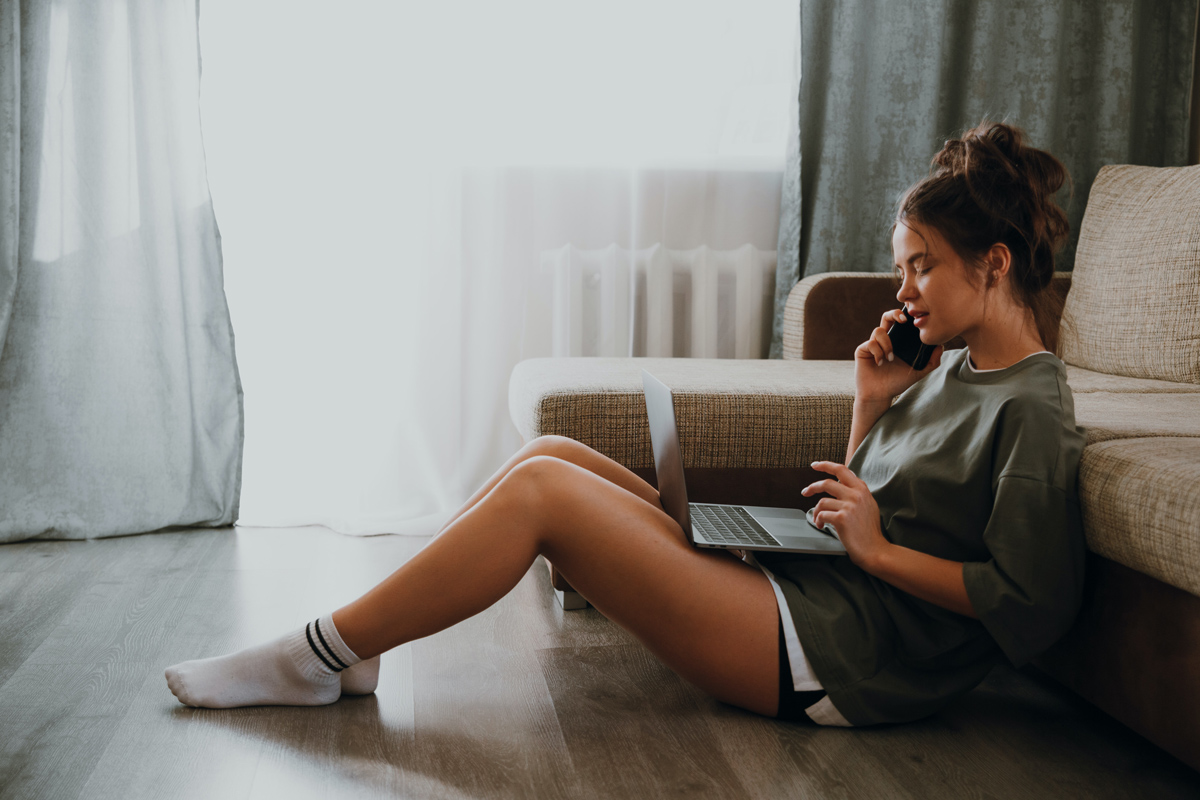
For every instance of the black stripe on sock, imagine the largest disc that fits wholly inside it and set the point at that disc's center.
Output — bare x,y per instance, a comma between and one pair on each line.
328,649
316,650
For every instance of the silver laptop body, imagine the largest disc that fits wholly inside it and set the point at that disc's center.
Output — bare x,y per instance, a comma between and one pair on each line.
722,526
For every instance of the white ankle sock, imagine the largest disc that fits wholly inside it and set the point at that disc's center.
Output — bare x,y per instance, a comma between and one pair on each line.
300,669
362,678
326,641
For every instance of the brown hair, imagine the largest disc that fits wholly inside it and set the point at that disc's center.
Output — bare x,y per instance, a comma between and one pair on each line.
989,187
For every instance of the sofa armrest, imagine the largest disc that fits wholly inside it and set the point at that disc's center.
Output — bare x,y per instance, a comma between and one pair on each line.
732,413
829,315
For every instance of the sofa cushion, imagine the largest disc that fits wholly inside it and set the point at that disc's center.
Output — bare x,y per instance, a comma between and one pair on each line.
1085,380
731,413
1141,506
1135,289
1126,415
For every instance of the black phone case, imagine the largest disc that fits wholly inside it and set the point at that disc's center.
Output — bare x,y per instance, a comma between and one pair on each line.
907,344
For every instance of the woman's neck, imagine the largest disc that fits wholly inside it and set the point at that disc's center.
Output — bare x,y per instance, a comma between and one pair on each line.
1005,336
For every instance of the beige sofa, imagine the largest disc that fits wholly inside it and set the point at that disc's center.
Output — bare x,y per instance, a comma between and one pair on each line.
1131,341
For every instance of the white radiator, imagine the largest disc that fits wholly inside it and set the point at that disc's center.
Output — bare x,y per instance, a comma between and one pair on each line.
657,302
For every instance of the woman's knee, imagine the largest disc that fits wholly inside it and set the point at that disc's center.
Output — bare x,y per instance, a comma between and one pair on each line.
534,479
560,447
545,491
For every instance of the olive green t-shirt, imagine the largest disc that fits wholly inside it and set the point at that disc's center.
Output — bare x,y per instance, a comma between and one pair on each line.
977,467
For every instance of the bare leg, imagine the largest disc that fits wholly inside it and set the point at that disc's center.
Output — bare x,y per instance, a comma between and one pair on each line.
623,553
570,450
363,678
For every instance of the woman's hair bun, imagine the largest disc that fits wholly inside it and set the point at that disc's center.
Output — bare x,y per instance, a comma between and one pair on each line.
989,186
998,166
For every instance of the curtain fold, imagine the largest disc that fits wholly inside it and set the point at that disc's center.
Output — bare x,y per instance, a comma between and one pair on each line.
884,84
23,26
120,401
10,157
787,247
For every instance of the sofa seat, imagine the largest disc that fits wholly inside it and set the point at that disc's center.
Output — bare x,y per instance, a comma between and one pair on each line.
1140,506
732,414
1085,380
1126,415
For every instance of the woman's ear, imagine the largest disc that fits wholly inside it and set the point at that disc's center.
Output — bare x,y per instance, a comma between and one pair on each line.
999,259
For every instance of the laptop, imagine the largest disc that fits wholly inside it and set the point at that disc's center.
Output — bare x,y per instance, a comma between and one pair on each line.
785,530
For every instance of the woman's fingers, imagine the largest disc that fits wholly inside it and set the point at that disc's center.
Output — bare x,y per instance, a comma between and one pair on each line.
827,507
873,350
826,486
828,504
885,342
844,474
879,346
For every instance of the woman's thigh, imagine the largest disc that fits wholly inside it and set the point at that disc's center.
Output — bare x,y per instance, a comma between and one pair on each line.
707,615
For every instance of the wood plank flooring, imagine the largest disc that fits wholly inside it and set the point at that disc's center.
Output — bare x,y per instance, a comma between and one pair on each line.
523,700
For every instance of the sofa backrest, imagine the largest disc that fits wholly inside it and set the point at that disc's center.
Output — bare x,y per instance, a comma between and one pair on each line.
828,315
1134,304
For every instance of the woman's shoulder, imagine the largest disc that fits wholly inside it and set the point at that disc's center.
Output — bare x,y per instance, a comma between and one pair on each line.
1043,386
1038,436
1028,405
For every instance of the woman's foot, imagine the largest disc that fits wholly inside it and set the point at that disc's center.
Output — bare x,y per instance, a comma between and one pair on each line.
303,668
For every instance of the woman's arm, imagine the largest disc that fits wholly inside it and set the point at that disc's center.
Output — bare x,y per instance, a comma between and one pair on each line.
866,414
936,580
879,377
855,515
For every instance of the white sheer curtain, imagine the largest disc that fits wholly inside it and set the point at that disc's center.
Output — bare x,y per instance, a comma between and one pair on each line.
120,407
392,181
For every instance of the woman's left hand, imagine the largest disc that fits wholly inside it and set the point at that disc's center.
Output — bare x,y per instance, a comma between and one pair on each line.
851,509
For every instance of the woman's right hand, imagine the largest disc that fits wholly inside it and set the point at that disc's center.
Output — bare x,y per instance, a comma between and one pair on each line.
878,380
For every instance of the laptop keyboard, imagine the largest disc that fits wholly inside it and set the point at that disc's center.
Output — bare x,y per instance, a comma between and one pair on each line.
730,525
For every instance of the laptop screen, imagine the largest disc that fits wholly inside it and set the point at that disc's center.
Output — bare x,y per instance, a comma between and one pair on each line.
668,457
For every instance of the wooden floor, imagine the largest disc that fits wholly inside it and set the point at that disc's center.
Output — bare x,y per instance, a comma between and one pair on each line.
524,700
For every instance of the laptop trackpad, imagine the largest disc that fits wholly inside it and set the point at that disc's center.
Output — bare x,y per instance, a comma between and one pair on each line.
762,513
787,522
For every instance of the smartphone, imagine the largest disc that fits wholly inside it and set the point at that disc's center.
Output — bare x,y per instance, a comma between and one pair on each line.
907,344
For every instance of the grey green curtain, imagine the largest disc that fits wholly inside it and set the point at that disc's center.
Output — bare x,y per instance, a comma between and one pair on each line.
883,84
120,401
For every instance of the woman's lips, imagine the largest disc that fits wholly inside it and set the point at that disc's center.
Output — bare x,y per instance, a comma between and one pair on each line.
919,320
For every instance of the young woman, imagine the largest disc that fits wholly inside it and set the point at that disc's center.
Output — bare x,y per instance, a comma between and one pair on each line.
957,507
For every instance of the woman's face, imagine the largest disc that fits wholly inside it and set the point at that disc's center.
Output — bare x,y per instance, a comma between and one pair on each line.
934,286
